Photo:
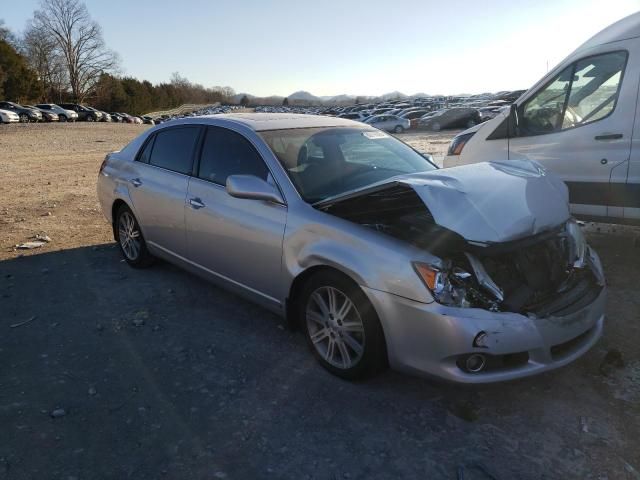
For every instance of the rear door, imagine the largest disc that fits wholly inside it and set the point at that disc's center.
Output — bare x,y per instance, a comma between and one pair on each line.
237,240
158,186
579,126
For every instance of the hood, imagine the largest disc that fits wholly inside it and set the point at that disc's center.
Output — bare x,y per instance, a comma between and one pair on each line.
489,202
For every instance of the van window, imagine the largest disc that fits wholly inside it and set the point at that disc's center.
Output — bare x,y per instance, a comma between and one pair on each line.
584,92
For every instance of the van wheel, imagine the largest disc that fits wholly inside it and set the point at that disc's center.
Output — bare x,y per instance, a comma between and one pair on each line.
130,240
341,326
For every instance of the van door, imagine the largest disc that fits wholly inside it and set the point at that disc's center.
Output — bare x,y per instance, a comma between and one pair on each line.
630,192
579,125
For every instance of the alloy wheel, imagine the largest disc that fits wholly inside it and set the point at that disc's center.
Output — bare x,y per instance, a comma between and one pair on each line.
129,236
335,327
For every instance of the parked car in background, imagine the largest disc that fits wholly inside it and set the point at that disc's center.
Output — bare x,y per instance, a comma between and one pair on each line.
379,257
457,117
414,116
126,118
357,116
148,120
579,121
47,115
85,114
64,115
487,113
389,123
25,114
9,116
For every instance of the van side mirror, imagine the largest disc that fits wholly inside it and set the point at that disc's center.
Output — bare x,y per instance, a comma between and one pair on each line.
253,188
514,121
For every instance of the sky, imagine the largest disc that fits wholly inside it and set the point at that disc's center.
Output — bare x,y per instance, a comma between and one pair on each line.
331,47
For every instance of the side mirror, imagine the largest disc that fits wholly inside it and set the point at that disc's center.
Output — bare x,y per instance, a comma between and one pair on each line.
514,121
252,187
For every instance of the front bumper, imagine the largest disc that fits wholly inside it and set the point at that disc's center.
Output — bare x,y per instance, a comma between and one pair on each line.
428,339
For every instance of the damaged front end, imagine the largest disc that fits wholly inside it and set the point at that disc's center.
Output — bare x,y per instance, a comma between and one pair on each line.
552,274
549,273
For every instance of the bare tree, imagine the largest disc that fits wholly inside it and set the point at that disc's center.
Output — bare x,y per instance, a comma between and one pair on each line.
41,51
78,40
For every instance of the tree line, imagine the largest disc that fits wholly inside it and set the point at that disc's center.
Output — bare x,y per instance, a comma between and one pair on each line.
62,56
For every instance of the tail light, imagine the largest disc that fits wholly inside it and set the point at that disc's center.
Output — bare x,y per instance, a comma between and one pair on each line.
103,164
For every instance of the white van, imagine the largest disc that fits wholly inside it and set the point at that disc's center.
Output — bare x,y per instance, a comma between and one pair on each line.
579,121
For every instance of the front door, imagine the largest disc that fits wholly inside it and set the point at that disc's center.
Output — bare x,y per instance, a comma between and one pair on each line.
237,240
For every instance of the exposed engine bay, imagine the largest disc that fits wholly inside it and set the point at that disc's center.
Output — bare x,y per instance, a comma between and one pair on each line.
550,273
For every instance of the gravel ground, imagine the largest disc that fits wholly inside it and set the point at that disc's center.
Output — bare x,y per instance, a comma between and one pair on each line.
112,373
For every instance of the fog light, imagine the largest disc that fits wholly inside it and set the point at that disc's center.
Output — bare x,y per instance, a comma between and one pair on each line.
475,362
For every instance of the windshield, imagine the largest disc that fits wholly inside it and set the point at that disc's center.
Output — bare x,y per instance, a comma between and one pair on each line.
328,161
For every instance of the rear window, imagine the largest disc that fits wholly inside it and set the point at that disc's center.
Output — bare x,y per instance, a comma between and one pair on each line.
173,149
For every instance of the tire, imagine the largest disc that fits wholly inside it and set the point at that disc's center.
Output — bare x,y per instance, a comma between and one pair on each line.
24,118
134,250
90,118
398,129
351,344
62,118
435,126
471,123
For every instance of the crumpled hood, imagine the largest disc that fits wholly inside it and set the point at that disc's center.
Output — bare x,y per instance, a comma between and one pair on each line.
493,202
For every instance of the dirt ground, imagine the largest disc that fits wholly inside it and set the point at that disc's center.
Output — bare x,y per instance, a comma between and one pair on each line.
110,373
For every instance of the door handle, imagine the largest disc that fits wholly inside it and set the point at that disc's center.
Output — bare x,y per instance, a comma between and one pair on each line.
608,136
136,182
196,203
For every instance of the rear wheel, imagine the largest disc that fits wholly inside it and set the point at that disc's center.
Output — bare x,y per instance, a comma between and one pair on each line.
130,240
341,327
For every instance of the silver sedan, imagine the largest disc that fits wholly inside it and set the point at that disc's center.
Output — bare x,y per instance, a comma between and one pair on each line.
472,274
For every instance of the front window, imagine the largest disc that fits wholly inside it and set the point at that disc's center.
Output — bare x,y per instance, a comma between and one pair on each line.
584,92
328,161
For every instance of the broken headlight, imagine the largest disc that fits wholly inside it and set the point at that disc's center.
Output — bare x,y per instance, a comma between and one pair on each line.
577,244
447,285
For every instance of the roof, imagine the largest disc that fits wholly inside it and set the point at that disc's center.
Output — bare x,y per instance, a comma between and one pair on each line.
628,27
281,121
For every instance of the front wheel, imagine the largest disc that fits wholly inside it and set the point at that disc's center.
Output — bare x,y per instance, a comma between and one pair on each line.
62,118
90,118
435,126
130,240
398,129
471,123
24,118
341,327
